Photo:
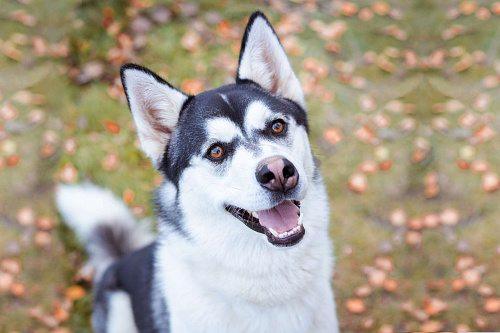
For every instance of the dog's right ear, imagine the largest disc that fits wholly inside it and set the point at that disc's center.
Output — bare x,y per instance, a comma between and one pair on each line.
155,106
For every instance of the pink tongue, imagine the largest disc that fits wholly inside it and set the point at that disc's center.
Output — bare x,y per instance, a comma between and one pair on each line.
283,217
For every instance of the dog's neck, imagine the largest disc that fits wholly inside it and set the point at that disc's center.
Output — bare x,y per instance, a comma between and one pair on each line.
243,265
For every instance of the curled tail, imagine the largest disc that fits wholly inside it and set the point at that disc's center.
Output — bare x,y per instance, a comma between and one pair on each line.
102,222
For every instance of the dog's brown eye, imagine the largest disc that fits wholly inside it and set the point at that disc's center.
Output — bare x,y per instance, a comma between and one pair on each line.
278,126
216,152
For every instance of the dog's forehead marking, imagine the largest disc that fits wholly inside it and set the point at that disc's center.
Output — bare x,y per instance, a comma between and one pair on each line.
222,129
256,116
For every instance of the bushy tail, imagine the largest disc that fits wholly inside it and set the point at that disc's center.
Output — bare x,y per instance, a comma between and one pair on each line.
102,222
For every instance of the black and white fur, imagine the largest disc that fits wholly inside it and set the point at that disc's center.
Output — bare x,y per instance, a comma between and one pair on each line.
207,272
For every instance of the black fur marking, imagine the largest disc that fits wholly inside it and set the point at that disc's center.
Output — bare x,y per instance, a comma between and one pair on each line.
113,238
168,213
103,290
134,275
190,135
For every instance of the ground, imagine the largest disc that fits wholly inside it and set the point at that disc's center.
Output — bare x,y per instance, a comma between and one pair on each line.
403,100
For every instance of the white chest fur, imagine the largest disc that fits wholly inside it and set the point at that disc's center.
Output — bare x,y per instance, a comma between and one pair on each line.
250,290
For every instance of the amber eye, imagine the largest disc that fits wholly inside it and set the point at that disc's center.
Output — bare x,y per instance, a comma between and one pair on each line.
216,152
278,126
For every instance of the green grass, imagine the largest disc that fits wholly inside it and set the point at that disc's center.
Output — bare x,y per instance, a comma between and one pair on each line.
358,222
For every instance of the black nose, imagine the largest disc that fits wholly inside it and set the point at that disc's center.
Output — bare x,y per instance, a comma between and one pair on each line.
277,174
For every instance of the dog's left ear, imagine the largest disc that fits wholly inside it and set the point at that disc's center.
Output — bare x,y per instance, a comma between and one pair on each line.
263,61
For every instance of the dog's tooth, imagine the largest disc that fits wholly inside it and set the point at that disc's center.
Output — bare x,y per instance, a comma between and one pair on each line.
254,214
274,232
301,217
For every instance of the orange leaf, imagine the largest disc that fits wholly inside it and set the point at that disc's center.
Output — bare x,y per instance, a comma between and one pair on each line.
74,293
112,127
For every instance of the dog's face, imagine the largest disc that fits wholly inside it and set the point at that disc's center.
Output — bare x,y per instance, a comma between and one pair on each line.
239,151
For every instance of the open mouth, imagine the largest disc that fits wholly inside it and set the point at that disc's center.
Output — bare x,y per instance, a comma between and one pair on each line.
282,224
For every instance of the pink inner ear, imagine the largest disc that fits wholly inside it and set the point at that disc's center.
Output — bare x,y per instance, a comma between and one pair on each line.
264,61
155,107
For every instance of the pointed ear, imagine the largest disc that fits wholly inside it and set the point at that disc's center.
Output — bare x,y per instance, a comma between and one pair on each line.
263,60
155,107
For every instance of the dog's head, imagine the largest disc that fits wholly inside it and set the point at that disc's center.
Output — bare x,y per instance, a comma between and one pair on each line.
239,152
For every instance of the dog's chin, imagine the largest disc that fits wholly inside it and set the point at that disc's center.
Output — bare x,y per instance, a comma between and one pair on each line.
282,224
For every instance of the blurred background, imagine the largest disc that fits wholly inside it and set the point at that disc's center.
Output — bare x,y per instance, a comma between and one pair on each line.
403,99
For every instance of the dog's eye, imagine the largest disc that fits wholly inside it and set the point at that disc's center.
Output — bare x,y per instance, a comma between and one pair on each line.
278,126
216,152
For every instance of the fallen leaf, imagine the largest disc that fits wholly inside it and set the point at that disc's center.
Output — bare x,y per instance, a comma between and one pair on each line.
193,86
482,102
363,291
10,266
485,290
333,135
6,281
458,284
138,210
397,217
348,8
434,306
490,182
128,196
414,239
377,277
464,262
380,7
358,183
25,216
18,289
191,41
110,161
492,305
431,326
355,305
385,165
68,173
462,328
449,216
74,293
45,223
368,167
479,166
472,277
386,329
365,14
431,221
391,285
495,8
368,323
112,126
366,135
480,322
43,239
8,112
70,145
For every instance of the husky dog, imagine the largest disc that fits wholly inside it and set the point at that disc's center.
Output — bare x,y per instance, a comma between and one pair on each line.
243,216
